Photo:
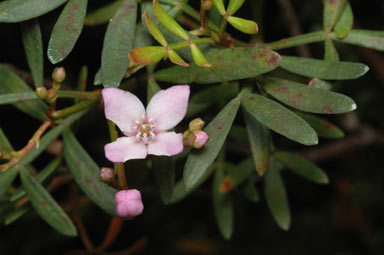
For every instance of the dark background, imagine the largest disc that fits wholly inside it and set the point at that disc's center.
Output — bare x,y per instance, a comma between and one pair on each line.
344,217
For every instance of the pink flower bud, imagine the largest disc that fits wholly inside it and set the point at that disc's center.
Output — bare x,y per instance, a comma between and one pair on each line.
201,139
107,175
128,203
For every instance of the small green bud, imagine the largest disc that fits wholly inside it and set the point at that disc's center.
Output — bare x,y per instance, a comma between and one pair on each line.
41,92
58,74
196,125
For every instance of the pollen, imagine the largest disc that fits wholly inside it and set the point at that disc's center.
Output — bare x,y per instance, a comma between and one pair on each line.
145,130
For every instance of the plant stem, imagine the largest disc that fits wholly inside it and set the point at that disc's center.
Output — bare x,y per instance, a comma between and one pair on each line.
88,95
24,151
185,44
70,110
113,231
297,40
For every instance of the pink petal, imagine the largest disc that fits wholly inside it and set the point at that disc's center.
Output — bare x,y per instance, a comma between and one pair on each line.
122,107
128,203
125,148
168,107
166,144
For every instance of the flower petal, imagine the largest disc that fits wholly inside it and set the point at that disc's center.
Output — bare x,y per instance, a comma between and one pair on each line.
168,107
125,148
122,107
166,144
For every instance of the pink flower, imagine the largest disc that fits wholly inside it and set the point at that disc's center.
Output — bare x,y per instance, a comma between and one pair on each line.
128,203
201,139
145,130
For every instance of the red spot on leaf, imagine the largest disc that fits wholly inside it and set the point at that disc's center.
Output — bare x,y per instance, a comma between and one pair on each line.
328,109
226,185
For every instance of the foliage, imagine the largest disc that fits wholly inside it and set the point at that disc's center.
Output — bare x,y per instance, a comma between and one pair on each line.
226,71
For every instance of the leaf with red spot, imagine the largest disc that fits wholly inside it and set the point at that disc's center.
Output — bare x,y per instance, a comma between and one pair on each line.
102,15
198,161
118,42
327,70
308,99
237,175
323,128
147,55
279,119
67,30
226,65
21,10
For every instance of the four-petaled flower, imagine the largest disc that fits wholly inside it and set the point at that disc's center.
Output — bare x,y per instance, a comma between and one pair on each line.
145,130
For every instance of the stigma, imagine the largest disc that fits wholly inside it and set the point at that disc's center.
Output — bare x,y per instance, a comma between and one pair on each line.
145,130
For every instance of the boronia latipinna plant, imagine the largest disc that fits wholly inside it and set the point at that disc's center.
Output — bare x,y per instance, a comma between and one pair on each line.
237,74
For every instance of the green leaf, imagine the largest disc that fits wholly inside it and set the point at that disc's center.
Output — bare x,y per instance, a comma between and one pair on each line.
330,51
167,21
237,175
118,42
332,12
11,83
320,84
33,46
302,167
243,25
180,191
226,65
41,176
233,6
15,215
20,10
66,30
308,99
46,206
249,191
102,15
322,127
152,88
223,207
198,161
279,119
276,197
17,97
86,174
327,70
163,171
203,99
366,38
219,5
154,30
7,177
345,23
147,55
260,142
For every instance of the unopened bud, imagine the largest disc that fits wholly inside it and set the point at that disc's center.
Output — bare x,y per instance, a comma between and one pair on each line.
189,140
201,138
41,92
107,175
128,203
58,74
52,95
196,125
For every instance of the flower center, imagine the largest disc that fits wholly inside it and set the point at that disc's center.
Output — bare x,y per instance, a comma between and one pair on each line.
145,130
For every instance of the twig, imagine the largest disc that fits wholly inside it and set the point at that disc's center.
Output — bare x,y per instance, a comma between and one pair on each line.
24,151
293,25
113,231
